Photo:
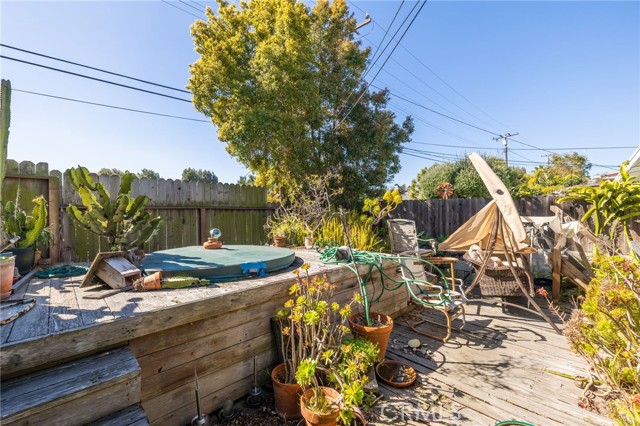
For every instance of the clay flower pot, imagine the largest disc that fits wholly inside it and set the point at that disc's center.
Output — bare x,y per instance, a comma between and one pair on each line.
212,244
378,335
286,395
312,418
7,264
151,282
280,241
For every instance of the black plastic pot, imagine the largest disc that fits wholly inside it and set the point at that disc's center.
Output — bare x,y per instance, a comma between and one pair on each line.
24,259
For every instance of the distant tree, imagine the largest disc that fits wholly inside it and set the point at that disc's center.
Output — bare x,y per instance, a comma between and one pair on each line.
199,175
563,171
112,172
247,180
465,179
284,85
148,174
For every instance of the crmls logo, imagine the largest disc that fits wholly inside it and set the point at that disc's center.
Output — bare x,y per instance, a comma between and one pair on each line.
409,412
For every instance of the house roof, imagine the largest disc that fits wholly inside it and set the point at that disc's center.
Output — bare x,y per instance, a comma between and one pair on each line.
634,164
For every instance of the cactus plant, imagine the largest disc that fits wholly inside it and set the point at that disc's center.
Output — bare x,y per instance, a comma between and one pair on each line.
28,228
123,221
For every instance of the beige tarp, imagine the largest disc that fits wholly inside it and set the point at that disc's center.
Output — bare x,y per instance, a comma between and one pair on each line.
477,230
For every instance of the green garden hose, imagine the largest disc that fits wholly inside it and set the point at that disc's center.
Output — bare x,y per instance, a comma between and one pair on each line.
63,271
513,423
342,256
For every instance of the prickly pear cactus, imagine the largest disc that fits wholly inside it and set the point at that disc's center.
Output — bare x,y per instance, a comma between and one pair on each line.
123,221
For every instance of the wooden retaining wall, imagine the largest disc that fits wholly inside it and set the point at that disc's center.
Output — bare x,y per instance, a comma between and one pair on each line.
188,209
214,330
221,349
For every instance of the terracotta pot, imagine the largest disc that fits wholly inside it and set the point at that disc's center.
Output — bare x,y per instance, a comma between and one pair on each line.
7,264
151,282
378,335
286,395
280,241
312,418
212,244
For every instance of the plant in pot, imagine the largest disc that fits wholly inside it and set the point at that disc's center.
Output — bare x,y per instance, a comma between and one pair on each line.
308,326
373,326
345,368
30,229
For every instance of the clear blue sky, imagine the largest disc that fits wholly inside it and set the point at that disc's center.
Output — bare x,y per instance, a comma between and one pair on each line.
562,74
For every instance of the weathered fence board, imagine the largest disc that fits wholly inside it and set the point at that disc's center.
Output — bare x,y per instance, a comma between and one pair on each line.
188,209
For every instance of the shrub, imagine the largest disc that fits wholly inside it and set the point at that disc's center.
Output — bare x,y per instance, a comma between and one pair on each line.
606,331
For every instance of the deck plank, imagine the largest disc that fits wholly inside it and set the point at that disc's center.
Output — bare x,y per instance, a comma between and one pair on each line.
496,368
5,330
64,313
35,322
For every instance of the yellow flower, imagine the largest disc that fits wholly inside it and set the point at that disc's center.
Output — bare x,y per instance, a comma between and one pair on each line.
293,289
305,266
288,303
285,331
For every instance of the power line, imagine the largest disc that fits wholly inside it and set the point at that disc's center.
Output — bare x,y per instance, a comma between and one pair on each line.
179,8
374,61
441,114
386,60
95,79
576,148
110,106
386,32
93,68
443,81
191,6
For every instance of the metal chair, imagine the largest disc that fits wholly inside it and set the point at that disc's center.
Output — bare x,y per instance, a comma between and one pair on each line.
404,239
431,291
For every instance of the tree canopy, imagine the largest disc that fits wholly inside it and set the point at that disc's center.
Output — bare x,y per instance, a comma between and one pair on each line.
562,172
149,174
465,179
199,175
283,84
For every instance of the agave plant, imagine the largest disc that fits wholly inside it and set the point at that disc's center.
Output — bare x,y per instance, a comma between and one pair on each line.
123,221
613,203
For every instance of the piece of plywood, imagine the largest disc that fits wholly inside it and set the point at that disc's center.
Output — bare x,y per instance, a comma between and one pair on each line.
88,278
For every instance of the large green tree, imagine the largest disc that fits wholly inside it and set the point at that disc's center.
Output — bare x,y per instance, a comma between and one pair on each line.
563,171
199,175
465,179
283,84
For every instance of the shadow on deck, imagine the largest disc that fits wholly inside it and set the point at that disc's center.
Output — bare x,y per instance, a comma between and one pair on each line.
503,365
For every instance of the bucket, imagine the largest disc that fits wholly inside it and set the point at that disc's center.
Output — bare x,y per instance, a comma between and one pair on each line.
7,264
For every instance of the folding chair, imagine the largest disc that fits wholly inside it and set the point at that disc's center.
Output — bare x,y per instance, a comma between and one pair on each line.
404,239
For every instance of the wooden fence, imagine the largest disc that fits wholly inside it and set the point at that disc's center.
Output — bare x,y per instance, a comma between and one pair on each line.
188,209
440,218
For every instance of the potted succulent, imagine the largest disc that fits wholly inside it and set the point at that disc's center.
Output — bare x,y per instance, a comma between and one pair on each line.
30,228
309,326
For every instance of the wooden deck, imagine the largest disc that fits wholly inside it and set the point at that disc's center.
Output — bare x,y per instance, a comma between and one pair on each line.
498,368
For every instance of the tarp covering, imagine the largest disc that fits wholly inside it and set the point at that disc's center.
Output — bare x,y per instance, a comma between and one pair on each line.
477,230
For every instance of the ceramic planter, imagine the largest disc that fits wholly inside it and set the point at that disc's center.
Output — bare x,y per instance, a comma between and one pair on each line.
7,264
377,335
312,418
286,395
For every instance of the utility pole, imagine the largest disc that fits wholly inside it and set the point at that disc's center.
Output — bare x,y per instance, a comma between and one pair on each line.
505,143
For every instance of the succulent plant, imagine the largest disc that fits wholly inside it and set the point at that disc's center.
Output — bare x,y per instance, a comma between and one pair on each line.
123,221
17,223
